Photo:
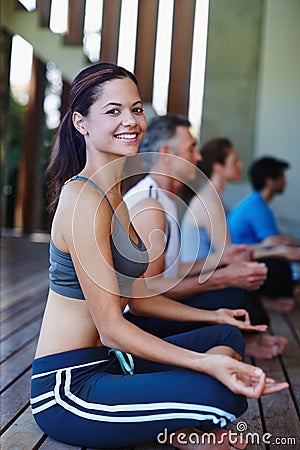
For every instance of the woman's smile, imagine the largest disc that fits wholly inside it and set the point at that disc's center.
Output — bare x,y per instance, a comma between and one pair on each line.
130,138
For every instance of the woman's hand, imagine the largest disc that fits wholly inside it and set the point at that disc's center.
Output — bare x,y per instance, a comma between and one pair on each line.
242,378
229,316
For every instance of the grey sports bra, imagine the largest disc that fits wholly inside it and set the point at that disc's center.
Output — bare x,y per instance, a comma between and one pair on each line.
130,259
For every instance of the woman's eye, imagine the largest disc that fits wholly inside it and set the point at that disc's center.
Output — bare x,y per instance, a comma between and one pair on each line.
113,111
138,110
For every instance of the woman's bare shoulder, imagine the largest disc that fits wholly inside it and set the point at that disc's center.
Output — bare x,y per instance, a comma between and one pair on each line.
79,208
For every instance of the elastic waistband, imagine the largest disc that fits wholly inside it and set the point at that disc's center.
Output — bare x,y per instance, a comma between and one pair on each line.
71,358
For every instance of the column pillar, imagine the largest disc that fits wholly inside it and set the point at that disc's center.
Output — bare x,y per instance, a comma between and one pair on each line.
110,30
145,47
25,207
181,57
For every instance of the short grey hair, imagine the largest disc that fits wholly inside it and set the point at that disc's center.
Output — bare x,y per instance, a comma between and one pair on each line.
161,131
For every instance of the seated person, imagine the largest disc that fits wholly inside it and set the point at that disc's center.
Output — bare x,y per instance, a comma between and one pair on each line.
97,380
204,221
252,220
168,152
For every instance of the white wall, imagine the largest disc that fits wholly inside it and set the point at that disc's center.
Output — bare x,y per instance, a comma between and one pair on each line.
277,128
233,48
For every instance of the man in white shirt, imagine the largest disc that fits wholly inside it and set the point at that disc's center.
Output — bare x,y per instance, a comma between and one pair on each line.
169,154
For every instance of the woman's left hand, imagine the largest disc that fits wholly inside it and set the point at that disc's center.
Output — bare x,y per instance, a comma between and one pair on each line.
230,317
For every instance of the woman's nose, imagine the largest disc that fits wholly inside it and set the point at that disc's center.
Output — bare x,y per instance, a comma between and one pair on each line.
128,119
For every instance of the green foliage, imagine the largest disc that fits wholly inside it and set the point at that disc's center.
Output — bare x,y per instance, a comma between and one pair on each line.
15,133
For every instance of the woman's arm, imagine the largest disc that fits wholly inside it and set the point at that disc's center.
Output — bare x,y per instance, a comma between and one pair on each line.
145,303
89,245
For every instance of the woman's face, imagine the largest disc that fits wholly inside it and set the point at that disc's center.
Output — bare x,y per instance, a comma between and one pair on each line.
233,166
115,123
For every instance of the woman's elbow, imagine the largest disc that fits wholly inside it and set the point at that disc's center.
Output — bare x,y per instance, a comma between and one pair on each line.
136,307
109,336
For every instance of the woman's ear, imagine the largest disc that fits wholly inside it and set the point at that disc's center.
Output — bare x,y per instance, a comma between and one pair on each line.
79,123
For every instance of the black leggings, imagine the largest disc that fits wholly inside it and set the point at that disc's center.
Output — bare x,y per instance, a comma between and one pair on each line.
231,298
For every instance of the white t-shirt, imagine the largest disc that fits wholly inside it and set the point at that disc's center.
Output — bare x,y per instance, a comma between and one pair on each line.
148,188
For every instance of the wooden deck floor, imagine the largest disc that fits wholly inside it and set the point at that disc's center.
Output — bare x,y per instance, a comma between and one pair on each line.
24,284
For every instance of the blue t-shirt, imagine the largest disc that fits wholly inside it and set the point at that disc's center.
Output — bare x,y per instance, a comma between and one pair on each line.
251,220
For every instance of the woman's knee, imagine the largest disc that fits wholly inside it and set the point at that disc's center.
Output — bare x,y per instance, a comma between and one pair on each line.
231,336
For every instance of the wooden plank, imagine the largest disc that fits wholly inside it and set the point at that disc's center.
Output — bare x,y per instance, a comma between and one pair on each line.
16,271
251,422
14,265
13,283
34,286
253,426
278,406
153,446
15,249
19,321
51,444
20,339
290,358
13,367
23,434
146,446
18,308
293,319
15,399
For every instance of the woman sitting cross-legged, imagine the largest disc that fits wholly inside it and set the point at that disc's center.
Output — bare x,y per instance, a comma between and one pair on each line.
99,381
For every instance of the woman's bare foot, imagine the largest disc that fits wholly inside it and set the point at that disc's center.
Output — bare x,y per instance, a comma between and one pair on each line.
194,439
264,346
281,305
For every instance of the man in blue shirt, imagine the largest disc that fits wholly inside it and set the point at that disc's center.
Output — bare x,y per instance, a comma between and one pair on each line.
252,220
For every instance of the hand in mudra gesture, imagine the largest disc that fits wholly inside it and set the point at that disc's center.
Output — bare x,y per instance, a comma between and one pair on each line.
242,378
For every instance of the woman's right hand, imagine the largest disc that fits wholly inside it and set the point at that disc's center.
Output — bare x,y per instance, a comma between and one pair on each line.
230,316
241,378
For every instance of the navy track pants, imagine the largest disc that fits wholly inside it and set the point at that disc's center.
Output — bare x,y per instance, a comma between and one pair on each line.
82,397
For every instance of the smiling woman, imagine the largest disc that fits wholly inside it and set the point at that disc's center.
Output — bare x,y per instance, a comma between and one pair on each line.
98,380
111,124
